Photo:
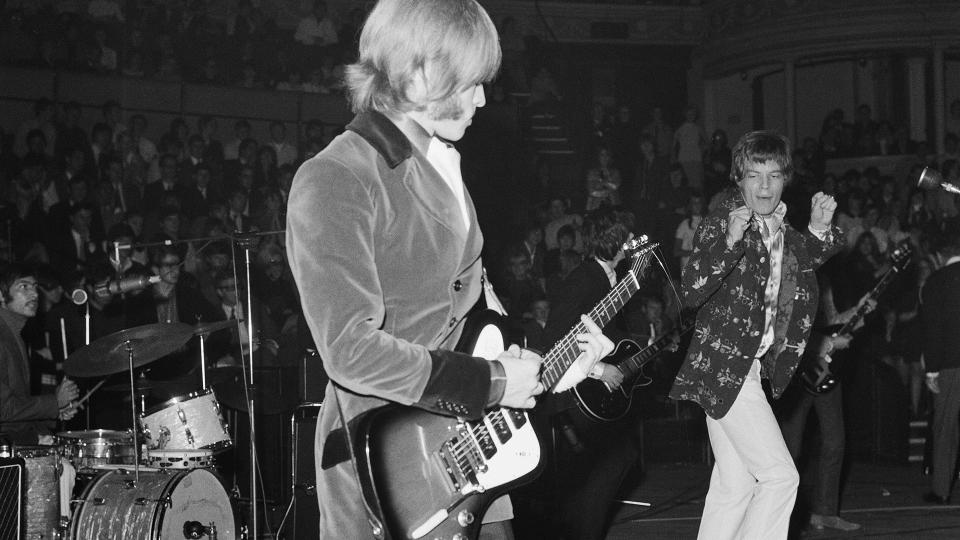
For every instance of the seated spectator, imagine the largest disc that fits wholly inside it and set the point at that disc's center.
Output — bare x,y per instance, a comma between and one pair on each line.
683,238
603,181
558,216
285,152
569,259
241,130
316,29
533,326
566,239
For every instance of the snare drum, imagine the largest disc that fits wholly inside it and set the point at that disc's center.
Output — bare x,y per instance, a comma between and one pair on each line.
43,490
189,422
97,447
181,459
163,505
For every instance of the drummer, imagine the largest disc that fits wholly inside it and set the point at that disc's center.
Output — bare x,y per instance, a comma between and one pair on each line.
25,419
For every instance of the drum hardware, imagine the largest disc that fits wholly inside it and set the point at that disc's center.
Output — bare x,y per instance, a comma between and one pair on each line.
202,330
165,501
195,529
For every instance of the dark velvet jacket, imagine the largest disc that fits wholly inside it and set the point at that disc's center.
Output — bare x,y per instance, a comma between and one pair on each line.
727,285
386,271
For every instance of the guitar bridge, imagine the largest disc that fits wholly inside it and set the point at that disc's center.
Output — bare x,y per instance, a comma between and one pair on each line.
461,462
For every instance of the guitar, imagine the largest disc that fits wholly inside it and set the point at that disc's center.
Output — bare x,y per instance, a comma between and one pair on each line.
425,474
816,375
595,398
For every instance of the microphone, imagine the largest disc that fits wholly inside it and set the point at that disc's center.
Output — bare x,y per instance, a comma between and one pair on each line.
124,285
79,297
931,179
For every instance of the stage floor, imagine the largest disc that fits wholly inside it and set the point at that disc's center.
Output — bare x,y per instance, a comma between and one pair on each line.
885,499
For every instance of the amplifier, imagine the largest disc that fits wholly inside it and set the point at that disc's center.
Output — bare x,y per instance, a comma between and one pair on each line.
12,493
313,378
304,517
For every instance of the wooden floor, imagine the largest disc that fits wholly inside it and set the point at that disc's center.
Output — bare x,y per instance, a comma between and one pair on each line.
885,499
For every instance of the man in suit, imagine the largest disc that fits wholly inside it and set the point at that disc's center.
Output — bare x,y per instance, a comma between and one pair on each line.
593,458
25,418
752,277
174,299
168,184
940,309
384,246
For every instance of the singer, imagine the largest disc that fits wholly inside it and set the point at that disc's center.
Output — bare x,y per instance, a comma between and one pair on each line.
752,277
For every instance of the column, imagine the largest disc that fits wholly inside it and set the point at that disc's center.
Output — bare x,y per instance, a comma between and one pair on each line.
916,98
711,121
939,99
790,98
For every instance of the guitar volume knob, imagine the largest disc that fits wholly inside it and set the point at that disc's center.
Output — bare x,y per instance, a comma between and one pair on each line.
464,518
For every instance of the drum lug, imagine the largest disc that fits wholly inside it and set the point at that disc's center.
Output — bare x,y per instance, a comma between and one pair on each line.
182,415
142,501
164,437
189,436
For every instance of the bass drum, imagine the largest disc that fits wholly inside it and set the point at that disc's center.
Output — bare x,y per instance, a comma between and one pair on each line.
164,505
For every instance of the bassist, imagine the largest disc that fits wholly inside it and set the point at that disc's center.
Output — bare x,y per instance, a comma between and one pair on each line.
384,246
794,409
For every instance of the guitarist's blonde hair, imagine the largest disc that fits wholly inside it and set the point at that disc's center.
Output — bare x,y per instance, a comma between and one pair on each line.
452,44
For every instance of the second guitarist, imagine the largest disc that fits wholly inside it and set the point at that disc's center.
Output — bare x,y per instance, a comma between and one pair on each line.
591,459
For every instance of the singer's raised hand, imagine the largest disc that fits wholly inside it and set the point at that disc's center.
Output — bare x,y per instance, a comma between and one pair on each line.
737,222
822,207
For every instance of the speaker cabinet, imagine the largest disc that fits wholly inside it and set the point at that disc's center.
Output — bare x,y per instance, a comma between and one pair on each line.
304,514
12,495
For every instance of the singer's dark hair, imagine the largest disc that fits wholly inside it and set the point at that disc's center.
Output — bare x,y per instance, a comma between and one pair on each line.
760,147
10,273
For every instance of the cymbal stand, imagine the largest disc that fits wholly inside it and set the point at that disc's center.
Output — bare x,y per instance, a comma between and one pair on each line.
203,364
246,242
133,414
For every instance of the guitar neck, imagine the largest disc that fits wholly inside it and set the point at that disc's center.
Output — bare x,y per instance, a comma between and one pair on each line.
638,360
559,359
872,295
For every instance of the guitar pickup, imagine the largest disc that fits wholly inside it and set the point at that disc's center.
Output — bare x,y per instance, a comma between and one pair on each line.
519,417
500,427
485,441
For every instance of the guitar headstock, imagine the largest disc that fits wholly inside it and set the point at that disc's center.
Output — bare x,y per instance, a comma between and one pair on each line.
636,250
901,254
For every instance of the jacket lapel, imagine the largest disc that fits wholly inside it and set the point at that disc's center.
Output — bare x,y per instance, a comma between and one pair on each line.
430,189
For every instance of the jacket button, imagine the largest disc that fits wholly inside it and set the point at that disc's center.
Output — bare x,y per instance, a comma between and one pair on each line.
763,259
453,322
457,285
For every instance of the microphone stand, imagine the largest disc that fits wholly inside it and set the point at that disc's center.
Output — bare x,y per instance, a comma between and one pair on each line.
246,241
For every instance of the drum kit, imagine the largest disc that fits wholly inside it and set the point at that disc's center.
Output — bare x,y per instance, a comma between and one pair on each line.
156,481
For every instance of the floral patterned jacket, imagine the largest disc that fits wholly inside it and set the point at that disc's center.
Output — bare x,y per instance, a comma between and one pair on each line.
727,285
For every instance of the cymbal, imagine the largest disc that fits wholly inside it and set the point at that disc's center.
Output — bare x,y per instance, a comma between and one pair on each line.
273,395
108,354
213,326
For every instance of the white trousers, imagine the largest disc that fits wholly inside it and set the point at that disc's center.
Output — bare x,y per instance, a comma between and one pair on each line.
754,481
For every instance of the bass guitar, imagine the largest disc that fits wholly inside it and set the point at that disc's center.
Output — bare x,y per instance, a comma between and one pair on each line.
424,475
816,374
599,402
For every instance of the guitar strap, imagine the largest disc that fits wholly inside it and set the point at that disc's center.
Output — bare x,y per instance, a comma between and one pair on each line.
490,297
373,514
